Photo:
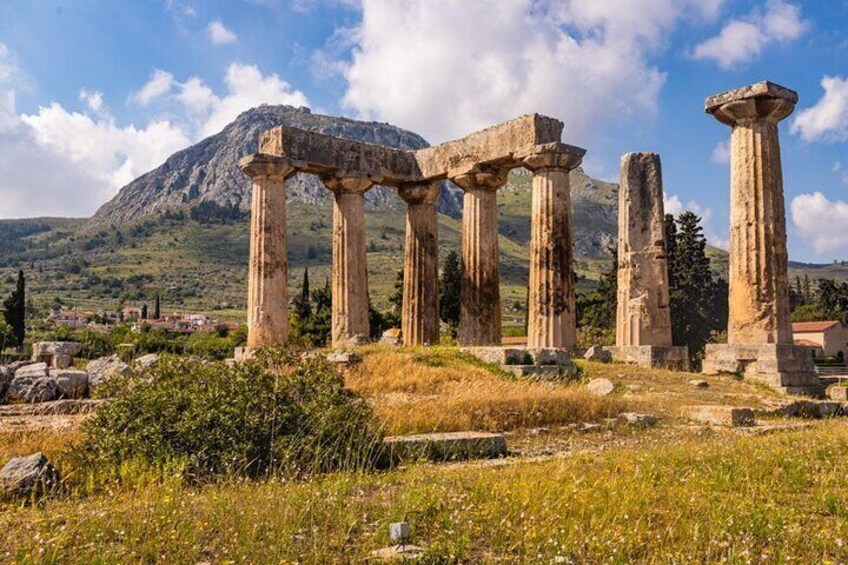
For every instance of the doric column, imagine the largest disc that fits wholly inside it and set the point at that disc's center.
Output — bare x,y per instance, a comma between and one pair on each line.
350,270
759,281
643,316
551,317
480,302
267,303
420,315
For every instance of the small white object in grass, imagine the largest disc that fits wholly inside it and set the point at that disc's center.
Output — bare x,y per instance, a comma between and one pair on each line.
399,532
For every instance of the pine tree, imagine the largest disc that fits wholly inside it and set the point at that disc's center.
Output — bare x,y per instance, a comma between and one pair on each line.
691,287
14,311
156,312
449,292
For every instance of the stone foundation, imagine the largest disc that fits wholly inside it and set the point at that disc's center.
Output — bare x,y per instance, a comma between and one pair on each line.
783,367
552,363
672,357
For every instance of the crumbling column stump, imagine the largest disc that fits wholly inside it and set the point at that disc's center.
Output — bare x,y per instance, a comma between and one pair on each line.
643,314
760,344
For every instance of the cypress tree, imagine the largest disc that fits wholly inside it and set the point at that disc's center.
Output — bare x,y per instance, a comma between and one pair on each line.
144,311
14,311
156,312
449,292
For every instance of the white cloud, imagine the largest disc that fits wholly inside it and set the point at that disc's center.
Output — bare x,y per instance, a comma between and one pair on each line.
674,206
219,34
721,153
93,99
416,64
742,40
821,222
160,83
827,120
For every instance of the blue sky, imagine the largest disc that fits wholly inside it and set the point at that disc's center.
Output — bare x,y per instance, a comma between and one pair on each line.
94,93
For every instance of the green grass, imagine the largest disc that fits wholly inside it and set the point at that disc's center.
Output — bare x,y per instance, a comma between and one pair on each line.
707,499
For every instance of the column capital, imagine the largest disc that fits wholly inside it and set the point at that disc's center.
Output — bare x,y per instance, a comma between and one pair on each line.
420,192
763,101
553,156
262,166
346,184
486,177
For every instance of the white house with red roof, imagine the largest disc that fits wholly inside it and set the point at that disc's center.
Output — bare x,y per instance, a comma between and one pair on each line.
827,339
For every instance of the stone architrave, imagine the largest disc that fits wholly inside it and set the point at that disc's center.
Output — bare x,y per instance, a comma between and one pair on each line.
267,303
480,300
551,316
759,329
643,316
350,268
420,311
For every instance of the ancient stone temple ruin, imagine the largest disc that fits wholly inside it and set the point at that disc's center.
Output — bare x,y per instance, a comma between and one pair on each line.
643,315
759,341
478,164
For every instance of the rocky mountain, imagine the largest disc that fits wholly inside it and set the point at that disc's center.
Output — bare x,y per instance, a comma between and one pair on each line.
208,172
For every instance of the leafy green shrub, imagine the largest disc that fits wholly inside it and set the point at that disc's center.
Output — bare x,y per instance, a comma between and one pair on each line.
279,414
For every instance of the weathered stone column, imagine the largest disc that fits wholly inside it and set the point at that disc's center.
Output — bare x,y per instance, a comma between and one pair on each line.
420,312
759,280
551,316
267,303
350,270
759,329
480,304
643,315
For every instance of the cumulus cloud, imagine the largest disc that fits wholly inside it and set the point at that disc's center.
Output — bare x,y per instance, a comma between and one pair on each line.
827,120
415,63
160,83
219,34
60,161
821,222
742,40
721,153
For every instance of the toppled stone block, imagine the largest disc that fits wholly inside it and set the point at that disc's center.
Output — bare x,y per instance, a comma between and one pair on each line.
838,392
638,420
101,370
343,358
811,409
391,337
57,354
71,383
28,477
451,446
699,383
599,354
146,361
671,357
600,387
32,383
730,416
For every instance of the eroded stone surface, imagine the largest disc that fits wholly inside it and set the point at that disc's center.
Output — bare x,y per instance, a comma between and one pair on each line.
730,416
600,387
103,369
643,313
71,383
673,357
58,354
28,477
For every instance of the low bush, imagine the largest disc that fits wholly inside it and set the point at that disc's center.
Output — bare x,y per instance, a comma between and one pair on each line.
279,414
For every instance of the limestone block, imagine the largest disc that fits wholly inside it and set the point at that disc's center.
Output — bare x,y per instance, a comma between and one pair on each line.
636,419
784,367
672,357
58,354
451,446
32,383
71,383
28,477
103,369
838,392
599,354
600,387
730,416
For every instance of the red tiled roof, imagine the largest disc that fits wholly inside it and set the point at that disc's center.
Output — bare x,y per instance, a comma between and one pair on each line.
807,343
807,327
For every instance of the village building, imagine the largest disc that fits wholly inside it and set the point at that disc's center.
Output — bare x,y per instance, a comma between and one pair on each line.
826,339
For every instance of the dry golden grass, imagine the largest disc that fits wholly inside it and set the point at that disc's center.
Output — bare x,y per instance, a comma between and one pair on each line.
437,389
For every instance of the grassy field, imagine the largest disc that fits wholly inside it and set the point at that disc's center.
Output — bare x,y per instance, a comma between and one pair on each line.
675,493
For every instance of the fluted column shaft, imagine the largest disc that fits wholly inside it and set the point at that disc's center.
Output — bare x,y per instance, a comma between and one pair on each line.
480,301
350,268
643,315
551,316
420,310
758,271
267,303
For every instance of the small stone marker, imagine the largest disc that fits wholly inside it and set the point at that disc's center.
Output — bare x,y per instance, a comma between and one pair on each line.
24,477
598,353
730,416
600,387
399,532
